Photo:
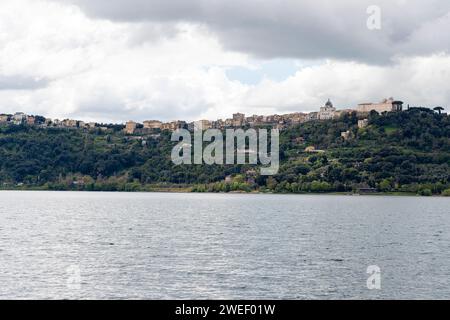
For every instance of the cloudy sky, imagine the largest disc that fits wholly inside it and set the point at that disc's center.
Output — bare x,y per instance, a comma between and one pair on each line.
115,60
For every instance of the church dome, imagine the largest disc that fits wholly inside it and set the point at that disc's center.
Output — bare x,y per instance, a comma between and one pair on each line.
329,104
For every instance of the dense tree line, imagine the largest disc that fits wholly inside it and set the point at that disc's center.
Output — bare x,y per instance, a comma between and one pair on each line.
397,152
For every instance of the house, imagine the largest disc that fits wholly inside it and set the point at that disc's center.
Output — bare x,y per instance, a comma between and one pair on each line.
202,125
363,123
238,119
19,118
346,134
4,118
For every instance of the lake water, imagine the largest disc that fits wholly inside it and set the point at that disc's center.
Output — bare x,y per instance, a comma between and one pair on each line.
68,245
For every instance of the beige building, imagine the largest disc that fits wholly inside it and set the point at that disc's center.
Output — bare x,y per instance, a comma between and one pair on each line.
173,125
130,127
387,105
4,118
340,113
70,123
152,124
312,116
238,119
202,125
294,118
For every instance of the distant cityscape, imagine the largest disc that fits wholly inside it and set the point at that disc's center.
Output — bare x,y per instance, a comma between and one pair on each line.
328,111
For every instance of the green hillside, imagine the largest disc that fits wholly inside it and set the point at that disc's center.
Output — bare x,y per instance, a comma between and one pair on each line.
405,152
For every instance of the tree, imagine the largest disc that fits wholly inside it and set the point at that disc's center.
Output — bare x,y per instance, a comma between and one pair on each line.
438,109
385,185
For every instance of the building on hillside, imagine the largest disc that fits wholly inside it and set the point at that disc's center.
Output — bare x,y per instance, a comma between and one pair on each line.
258,120
238,119
363,123
174,125
31,120
387,105
274,119
298,117
346,134
19,118
4,118
130,127
178,124
312,116
91,125
228,123
218,124
327,111
47,122
152,124
202,125
165,126
294,118
69,123
340,113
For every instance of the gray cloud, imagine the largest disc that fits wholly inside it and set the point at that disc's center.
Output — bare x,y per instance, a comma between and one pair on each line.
19,82
298,28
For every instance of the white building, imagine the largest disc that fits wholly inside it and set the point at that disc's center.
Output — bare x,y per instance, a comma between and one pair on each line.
19,118
327,112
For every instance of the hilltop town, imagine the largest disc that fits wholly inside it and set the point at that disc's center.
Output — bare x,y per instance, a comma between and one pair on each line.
365,149
327,112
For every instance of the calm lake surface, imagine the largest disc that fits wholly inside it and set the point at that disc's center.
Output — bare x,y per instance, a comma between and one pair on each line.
69,245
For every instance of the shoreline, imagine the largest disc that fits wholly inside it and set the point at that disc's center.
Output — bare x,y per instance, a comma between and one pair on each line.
184,191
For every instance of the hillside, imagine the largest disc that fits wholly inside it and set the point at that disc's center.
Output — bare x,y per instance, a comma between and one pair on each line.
397,152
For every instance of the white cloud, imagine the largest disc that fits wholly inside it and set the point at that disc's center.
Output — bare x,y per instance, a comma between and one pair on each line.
419,81
96,69
58,62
